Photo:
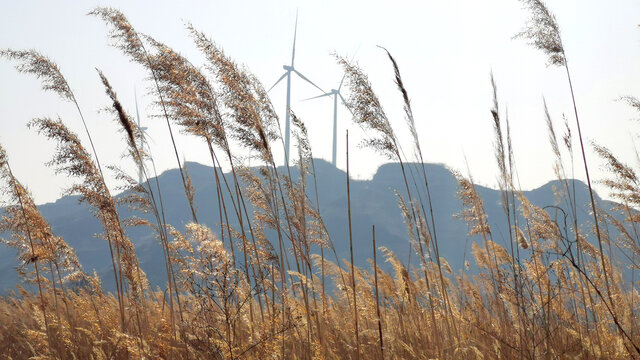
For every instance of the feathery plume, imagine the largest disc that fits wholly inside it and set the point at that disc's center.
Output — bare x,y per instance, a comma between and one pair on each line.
32,62
522,240
543,32
123,118
407,104
255,122
122,34
368,111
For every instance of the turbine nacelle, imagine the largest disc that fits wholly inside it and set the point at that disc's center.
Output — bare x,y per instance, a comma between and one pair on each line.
287,67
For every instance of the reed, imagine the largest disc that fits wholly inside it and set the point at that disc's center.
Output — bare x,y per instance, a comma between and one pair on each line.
375,277
258,283
353,271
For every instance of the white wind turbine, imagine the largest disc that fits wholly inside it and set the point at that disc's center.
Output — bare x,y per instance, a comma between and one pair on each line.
335,93
288,70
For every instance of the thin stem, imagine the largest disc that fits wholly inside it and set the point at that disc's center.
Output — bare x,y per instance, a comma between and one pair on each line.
586,170
353,279
375,277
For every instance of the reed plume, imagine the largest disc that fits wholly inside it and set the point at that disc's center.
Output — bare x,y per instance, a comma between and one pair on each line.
32,62
543,33
72,159
130,42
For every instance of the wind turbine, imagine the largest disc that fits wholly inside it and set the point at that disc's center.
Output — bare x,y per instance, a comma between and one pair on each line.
287,73
143,130
335,93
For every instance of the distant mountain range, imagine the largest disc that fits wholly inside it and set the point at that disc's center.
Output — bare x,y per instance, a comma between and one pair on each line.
372,202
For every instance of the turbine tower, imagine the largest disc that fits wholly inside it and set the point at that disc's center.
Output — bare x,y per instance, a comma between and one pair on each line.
335,93
287,73
143,130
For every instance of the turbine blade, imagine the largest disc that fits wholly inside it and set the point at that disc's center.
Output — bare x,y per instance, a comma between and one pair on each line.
135,96
307,80
276,83
344,102
342,81
295,33
319,96
146,136
355,52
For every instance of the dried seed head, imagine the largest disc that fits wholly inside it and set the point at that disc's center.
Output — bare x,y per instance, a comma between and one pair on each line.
368,112
522,240
126,123
32,62
543,32
253,121
123,34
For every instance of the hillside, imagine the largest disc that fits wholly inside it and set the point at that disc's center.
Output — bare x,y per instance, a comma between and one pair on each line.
373,202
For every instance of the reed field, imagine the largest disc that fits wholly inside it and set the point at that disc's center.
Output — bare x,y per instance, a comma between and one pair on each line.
266,281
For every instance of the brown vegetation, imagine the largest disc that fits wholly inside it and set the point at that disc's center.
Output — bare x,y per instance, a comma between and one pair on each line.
234,293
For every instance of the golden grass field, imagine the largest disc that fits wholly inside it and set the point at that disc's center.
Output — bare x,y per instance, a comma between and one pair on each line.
555,292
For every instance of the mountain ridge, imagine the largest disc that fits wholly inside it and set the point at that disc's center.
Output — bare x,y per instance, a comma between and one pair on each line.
373,202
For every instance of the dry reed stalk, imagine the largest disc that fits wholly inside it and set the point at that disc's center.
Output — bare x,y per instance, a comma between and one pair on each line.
418,150
244,103
32,62
192,103
253,123
303,210
543,33
353,279
369,114
375,276
34,256
504,159
135,141
127,39
571,202
72,158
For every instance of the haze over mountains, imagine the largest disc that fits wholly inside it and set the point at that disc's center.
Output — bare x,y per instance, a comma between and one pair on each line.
372,202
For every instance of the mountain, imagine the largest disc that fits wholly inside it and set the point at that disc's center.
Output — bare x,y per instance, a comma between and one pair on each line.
373,202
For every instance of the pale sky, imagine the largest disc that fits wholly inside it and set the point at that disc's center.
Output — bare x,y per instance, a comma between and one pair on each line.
445,50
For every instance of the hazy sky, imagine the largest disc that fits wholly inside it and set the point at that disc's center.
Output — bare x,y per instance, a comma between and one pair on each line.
445,50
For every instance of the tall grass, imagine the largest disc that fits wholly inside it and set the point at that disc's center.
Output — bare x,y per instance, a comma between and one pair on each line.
264,287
